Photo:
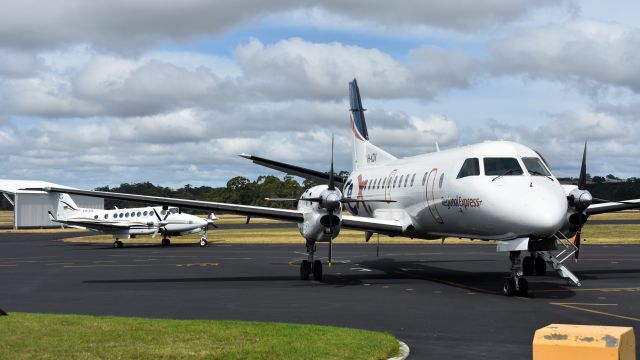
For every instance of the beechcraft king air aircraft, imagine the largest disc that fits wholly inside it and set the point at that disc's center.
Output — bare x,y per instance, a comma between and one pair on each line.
128,223
495,190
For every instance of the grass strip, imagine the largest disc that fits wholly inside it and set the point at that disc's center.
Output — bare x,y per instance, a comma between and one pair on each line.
49,336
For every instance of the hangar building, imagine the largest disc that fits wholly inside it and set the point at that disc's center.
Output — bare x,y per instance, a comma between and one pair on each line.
31,207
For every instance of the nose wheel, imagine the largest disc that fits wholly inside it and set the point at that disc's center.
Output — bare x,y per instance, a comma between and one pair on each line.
516,285
117,244
311,266
203,242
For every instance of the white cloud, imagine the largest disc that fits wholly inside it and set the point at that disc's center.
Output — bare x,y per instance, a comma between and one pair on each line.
591,54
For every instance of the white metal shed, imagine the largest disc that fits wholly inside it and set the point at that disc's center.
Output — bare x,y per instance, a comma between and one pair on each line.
31,207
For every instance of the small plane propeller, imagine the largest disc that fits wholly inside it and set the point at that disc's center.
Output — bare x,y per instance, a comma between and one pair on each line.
162,223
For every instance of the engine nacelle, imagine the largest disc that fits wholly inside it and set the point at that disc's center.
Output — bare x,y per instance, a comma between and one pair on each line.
319,224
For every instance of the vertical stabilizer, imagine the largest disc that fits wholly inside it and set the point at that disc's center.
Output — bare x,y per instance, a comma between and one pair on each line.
63,206
364,153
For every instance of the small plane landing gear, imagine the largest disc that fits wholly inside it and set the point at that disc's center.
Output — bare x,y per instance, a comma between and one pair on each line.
203,242
516,284
306,267
165,242
117,244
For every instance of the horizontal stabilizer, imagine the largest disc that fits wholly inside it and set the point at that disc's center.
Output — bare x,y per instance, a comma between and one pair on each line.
313,175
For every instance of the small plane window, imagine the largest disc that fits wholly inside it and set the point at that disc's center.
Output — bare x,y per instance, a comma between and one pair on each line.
471,167
501,167
95,217
126,215
406,180
106,216
138,214
373,184
163,212
144,213
424,178
412,179
535,166
394,181
121,215
400,182
441,180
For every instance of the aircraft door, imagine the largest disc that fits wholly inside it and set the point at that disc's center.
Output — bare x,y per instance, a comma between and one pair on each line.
434,186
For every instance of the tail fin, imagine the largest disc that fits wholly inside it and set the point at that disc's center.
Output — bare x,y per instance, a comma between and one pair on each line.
364,153
63,206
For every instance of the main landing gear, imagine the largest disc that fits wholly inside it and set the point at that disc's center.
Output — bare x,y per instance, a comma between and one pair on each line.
117,244
203,236
165,242
310,266
515,284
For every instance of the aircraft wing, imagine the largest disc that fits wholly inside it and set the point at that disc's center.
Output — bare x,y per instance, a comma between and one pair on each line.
246,210
314,175
388,227
613,206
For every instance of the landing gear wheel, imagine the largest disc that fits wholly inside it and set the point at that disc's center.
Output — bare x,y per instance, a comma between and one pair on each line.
540,266
165,242
509,287
203,242
305,269
317,270
117,244
527,266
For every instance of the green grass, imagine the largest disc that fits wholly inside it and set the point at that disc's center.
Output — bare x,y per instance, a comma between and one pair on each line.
46,336
611,234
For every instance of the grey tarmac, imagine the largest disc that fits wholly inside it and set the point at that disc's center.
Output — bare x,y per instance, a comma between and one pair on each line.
444,301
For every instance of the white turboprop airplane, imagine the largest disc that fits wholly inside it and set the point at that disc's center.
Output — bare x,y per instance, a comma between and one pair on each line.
494,190
128,223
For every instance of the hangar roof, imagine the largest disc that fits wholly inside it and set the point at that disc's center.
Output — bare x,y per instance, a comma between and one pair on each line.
14,186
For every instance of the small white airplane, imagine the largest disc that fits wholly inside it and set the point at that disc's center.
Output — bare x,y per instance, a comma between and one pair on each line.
495,190
128,223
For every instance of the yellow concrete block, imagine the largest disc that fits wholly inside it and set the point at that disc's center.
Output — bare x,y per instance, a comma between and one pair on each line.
584,342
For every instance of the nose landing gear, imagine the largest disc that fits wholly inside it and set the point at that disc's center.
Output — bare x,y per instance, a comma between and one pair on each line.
515,284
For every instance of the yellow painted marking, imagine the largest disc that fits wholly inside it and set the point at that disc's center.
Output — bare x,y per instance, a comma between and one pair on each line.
577,306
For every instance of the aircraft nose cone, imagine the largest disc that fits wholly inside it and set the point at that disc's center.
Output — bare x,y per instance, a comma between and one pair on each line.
547,215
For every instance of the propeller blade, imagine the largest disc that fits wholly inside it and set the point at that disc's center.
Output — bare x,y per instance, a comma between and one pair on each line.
582,180
331,179
330,236
576,255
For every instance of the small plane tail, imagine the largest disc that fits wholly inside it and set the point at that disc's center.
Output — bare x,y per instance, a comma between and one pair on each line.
364,152
63,206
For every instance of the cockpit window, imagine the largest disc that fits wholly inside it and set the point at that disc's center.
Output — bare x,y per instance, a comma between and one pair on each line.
535,166
471,167
501,167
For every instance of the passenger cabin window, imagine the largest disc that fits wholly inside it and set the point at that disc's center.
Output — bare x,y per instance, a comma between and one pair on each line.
144,213
535,166
138,214
501,167
471,167
394,181
424,178
106,216
406,180
400,182
412,179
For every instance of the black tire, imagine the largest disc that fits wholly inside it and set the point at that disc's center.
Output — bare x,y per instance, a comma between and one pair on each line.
203,242
527,266
117,244
317,270
540,267
165,242
305,269
523,287
509,287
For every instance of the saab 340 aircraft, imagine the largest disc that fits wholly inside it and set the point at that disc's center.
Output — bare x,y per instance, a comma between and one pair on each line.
128,223
494,190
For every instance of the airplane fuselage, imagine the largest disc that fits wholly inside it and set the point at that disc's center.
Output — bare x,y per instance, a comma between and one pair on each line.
433,200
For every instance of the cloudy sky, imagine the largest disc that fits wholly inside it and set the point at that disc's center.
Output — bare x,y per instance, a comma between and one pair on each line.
98,93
